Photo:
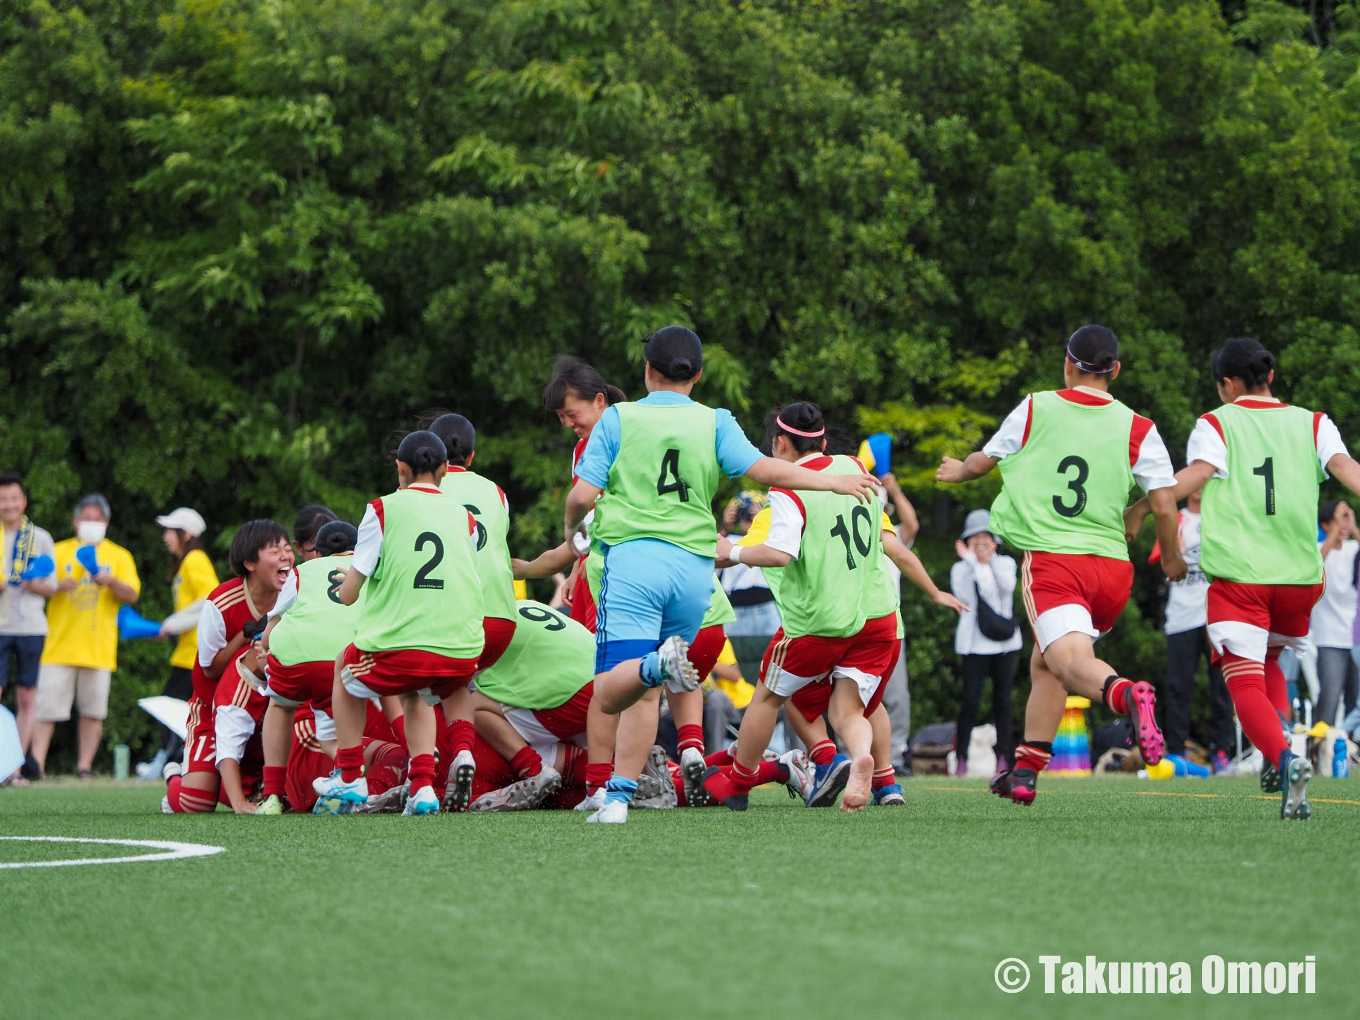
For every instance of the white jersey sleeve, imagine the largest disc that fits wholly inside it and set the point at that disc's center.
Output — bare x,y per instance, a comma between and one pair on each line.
234,727
1152,469
1010,438
1329,442
786,523
212,634
1207,445
368,550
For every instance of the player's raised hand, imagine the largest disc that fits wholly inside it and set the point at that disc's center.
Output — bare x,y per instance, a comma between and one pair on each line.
951,470
863,487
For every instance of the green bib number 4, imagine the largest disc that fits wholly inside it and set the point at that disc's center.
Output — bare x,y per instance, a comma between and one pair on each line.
670,464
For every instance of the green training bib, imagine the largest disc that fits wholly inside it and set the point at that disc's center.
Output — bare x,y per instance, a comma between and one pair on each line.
549,659
481,497
317,626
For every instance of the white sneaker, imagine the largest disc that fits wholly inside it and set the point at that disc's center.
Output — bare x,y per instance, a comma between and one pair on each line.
332,787
165,806
801,778
592,803
423,802
692,768
523,795
676,669
172,768
389,802
459,792
613,812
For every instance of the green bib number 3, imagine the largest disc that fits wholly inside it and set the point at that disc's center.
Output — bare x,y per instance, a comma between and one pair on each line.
1077,485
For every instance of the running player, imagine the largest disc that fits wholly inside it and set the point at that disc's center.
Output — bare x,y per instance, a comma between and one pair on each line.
262,561
486,501
1068,460
828,549
306,633
419,632
653,466
1260,463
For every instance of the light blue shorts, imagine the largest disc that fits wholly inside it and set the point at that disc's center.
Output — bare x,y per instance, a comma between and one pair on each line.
650,591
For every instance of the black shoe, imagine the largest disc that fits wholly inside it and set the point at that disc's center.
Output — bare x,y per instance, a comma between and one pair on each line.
1270,779
1016,785
29,769
736,801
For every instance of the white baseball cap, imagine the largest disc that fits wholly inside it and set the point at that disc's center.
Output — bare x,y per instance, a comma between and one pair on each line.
185,519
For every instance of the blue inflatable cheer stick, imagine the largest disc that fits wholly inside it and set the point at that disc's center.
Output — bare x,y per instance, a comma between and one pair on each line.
133,625
88,559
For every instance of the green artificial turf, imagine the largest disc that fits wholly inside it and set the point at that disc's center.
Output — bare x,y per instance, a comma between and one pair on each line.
778,912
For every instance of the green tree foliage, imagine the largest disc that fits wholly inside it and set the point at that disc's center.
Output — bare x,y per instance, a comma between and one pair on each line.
247,242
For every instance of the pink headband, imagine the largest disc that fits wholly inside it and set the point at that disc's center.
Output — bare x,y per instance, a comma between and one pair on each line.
806,435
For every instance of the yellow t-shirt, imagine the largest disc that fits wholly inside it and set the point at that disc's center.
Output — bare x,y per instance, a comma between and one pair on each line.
82,625
194,580
739,691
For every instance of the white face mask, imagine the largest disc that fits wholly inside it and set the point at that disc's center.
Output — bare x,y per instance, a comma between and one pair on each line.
91,532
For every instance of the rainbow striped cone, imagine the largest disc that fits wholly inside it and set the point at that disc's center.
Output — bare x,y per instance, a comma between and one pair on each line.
1072,745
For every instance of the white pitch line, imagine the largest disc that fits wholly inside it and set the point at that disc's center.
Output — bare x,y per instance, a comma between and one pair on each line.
172,851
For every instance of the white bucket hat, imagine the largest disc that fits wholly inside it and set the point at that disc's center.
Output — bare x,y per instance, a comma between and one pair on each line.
184,519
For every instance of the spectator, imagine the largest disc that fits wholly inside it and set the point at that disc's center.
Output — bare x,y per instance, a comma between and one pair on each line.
985,576
1187,641
192,579
310,519
1334,615
82,643
752,601
23,624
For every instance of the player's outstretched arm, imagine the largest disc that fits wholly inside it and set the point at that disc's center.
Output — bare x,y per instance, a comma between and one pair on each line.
230,771
754,555
770,471
915,571
973,467
563,557
1344,468
579,503
1163,503
1190,478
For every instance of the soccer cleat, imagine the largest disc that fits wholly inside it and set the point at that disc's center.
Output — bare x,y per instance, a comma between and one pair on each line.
890,796
389,802
523,795
1016,785
723,790
353,795
692,767
166,809
172,768
459,792
612,812
593,802
828,781
422,802
1294,802
677,672
656,791
800,779
1270,779
1140,700
271,805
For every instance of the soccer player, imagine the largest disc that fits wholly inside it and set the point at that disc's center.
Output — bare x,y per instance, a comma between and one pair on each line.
828,549
262,562
419,632
1068,460
653,466
239,707
1260,463
486,502
308,629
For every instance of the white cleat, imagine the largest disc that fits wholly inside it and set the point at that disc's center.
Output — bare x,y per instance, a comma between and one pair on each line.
389,802
692,768
614,812
423,802
592,803
676,669
524,795
172,768
801,777
656,790
166,809
458,794
333,788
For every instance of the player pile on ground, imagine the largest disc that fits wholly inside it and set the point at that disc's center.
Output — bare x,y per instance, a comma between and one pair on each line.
395,670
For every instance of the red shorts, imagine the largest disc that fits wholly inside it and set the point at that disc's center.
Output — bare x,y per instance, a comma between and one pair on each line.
497,635
791,664
814,699
407,672
1246,619
304,681
582,602
706,647
567,720
1067,594
200,750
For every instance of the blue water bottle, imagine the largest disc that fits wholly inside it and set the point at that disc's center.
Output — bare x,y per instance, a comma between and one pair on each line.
1341,766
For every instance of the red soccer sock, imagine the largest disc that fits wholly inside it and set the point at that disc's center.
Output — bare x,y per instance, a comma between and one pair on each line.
527,763
745,779
1247,683
350,762
275,778
385,770
719,758
422,772
1115,689
461,735
1033,755
822,752
597,775
884,777
690,735
1277,688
